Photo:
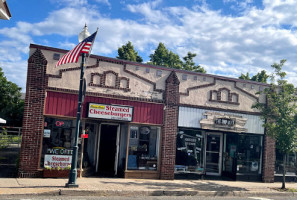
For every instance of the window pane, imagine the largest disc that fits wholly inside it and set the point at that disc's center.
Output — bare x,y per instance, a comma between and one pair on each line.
58,141
143,148
249,153
189,151
291,164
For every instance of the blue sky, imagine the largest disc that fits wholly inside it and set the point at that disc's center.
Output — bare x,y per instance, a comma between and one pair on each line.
230,37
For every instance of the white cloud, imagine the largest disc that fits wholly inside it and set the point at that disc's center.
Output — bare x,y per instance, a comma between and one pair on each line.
106,2
150,11
225,45
70,3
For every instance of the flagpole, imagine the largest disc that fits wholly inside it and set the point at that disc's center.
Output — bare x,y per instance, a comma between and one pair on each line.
73,172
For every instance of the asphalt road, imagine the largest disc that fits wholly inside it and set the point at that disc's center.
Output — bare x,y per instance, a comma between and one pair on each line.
142,198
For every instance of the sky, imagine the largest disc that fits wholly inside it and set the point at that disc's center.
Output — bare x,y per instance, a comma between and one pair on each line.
230,37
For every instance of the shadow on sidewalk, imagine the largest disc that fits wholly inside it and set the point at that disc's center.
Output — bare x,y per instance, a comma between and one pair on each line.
42,186
193,185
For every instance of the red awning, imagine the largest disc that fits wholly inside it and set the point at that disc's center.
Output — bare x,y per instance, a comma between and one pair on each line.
63,104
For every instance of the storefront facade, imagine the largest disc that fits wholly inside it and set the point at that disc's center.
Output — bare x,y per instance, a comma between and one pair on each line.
141,121
219,143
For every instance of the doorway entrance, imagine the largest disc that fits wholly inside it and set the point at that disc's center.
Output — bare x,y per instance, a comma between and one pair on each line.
108,147
213,153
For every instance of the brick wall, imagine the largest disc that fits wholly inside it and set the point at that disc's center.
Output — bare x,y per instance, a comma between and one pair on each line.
33,116
168,147
268,160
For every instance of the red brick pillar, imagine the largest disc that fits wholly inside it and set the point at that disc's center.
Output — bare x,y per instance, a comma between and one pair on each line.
168,149
33,116
268,160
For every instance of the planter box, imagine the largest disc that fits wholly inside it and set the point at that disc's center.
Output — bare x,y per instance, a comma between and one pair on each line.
57,173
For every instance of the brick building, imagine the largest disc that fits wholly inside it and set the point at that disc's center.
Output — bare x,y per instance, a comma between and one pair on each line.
142,121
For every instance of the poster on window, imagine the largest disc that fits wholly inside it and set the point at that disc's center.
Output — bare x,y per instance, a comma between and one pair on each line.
57,161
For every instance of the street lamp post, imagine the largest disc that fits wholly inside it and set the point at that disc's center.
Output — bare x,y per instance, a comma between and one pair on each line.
73,172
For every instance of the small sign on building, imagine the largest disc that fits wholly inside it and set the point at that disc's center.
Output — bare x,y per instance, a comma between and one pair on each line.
46,133
113,112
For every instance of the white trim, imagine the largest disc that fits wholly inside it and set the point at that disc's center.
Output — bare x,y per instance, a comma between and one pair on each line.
117,151
98,147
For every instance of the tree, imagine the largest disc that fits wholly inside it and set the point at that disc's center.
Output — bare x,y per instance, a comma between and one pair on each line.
261,77
189,64
245,77
11,104
280,113
162,56
127,52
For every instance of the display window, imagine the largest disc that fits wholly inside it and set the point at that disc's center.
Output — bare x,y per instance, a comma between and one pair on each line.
58,141
291,164
143,149
189,151
242,154
249,154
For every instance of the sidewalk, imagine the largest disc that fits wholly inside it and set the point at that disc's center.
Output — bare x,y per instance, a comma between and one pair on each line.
139,187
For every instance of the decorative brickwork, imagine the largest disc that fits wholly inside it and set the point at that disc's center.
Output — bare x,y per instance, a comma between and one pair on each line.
249,94
268,160
144,79
216,96
117,83
33,116
168,147
198,87
61,71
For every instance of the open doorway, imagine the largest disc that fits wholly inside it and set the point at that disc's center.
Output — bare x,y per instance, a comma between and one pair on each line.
108,150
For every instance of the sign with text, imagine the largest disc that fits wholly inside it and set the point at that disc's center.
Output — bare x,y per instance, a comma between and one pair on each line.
59,151
63,123
102,111
57,161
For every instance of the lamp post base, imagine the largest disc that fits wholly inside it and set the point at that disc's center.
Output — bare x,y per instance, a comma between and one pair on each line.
71,185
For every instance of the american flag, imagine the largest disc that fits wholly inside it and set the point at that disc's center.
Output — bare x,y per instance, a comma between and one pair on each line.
83,47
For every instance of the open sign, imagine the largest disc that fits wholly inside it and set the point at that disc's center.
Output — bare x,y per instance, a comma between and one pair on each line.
59,123
63,123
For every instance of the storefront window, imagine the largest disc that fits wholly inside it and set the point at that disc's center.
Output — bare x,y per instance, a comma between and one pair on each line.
189,151
291,164
143,148
58,140
249,154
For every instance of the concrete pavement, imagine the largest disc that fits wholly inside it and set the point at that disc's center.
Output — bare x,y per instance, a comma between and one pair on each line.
139,187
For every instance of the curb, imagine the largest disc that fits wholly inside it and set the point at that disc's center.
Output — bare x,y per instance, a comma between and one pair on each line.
129,193
171,193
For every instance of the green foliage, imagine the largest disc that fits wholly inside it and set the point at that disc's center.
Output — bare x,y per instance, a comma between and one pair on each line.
163,57
11,104
4,139
245,77
189,64
58,168
127,52
261,77
280,113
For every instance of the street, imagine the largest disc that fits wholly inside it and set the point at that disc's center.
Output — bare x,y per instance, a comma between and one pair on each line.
34,197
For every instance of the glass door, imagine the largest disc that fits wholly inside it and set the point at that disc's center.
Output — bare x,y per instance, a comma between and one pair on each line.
213,153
